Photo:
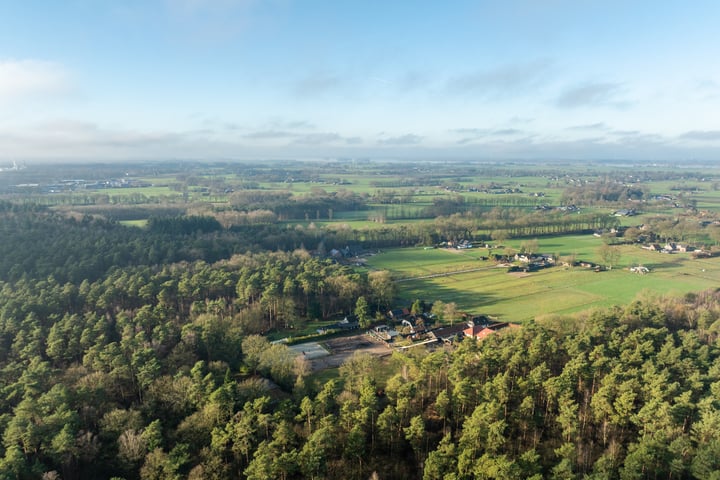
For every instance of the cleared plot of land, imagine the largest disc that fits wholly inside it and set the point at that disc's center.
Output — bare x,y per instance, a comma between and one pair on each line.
311,350
334,352
491,290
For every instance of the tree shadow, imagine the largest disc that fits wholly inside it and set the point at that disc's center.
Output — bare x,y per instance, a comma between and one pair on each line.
467,302
663,265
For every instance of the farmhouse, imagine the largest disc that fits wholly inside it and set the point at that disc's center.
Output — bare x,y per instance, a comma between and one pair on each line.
584,264
568,208
669,247
414,324
383,332
343,324
398,313
479,332
625,212
451,333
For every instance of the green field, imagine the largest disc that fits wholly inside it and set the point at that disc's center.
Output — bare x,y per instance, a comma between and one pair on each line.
154,191
489,289
134,223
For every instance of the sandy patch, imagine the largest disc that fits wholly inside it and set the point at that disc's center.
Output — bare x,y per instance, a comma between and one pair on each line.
340,349
310,350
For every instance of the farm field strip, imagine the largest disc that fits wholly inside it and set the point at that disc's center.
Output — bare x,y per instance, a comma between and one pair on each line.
451,277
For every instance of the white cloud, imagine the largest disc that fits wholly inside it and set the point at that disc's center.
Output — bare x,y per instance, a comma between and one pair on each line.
702,135
78,141
591,94
481,135
69,139
24,78
707,88
508,131
589,126
407,139
319,139
269,134
507,80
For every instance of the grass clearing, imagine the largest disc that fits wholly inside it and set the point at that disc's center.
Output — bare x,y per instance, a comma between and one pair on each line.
428,275
135,223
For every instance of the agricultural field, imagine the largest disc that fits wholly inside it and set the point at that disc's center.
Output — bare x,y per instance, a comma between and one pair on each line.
134,223
480,286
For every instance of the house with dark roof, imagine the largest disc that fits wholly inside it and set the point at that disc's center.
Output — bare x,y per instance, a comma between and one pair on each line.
450,333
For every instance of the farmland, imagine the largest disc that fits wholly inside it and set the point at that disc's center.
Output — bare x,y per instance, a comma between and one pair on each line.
489,289
329,205
326,206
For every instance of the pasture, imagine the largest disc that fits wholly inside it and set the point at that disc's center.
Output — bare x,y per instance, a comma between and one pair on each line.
134,223
479,286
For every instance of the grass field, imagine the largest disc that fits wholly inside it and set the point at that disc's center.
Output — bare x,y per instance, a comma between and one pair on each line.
488,289
134,223
155,191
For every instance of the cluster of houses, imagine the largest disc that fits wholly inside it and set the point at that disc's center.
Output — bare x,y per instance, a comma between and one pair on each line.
72,185
672,247
536,260
350,255
496,190
625,212
414,327
469,329
669,247
562,208
459,245
346,252
667,199
343,325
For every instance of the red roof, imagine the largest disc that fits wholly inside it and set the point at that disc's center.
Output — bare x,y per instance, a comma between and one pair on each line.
479,332
473,331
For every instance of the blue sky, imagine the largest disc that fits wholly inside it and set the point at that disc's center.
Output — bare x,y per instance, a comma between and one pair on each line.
88,80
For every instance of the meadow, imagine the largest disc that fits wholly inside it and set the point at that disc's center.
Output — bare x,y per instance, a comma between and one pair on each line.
479,286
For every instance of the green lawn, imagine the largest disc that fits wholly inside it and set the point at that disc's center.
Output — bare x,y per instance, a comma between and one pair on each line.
154,191
513,297
134,223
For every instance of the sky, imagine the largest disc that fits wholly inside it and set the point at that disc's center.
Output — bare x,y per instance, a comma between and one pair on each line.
90,80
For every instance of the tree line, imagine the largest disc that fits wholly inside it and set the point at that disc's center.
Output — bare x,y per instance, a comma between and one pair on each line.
39,242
